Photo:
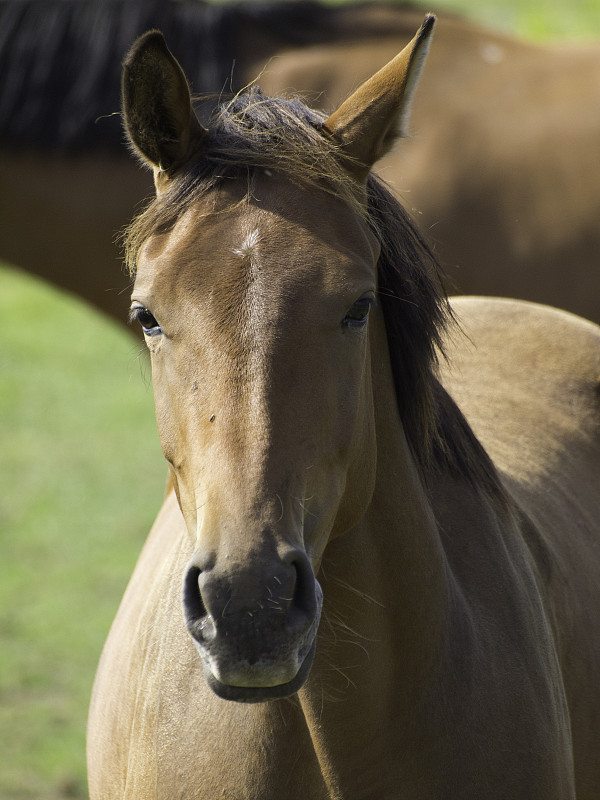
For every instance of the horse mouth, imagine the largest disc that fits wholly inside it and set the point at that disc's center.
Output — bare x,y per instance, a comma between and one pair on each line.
261,694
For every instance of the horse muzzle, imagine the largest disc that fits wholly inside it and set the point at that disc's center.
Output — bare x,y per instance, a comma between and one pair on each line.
254,626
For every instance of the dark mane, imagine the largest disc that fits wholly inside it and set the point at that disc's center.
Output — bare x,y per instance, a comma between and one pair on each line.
60,59
254,132
417,317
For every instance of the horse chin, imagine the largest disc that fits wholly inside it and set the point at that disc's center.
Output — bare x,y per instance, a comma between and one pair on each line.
261,694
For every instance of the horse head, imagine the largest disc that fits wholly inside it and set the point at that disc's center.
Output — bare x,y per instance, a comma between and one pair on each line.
256,288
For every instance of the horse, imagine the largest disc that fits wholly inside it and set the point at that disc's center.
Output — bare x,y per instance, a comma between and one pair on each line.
356,587
520,125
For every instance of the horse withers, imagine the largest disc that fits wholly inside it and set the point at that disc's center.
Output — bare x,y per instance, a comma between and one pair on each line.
379,601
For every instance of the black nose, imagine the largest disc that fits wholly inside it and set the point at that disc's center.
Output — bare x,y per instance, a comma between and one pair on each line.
275,596
254,623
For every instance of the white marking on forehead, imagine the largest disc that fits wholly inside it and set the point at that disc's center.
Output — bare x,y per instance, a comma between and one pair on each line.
491,53
248,247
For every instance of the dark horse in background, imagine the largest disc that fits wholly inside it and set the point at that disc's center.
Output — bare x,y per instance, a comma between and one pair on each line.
63,161
499,172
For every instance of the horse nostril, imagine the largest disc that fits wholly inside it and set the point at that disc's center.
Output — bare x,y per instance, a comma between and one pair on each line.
303,603
192,599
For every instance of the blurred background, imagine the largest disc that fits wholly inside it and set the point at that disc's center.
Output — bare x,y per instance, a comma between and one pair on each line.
81,474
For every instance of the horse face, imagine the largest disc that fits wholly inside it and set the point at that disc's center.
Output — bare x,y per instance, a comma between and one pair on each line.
256,310
256,307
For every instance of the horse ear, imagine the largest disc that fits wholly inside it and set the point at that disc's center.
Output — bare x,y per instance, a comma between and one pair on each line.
367,124
157,108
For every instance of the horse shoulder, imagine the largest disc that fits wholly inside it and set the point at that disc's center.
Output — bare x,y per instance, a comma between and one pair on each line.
148,684
122,720
527,378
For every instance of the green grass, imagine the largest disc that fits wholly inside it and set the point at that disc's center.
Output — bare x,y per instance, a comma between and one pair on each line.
530,19
82,478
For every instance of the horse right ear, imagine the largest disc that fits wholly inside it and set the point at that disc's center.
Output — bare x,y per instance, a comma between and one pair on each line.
368,123
157,108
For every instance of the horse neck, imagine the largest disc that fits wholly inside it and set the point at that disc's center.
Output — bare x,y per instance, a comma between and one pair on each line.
410,595
385,610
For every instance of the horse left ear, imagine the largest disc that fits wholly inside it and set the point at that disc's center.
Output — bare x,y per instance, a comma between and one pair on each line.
157,108
368,123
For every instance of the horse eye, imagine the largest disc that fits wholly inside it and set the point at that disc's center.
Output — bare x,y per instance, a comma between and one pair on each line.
359,312
148,322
